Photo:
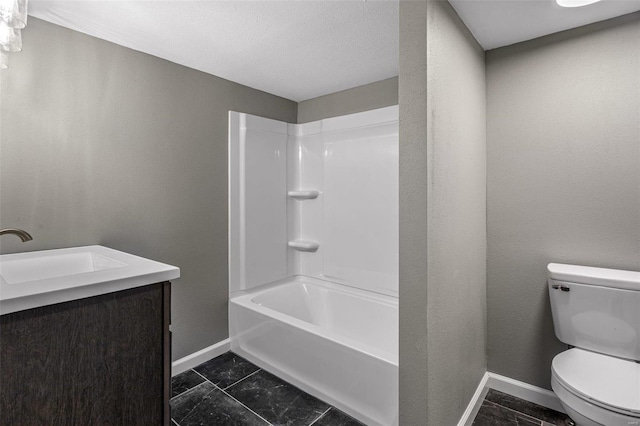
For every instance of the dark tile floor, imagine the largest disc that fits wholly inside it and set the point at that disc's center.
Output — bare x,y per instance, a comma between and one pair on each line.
501,409
230,391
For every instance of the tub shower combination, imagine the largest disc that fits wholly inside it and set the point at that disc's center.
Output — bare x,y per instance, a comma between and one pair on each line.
313,256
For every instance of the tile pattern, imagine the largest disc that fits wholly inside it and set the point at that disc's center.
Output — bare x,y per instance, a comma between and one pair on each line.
226,369
185,381
206,404
277,401
230,391
543,413
501,409
335,417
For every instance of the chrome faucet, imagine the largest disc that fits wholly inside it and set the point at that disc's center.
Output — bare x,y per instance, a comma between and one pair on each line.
24,235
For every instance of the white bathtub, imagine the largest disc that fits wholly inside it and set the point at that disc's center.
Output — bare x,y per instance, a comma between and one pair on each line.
337,343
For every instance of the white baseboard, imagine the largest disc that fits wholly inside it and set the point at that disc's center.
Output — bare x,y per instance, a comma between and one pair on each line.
183,364
522,390
513,387
476,401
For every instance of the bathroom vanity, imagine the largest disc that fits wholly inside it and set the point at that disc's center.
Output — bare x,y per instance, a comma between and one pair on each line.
89,342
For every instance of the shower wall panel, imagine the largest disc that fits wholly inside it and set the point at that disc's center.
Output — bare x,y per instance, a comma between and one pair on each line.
258,203
328,188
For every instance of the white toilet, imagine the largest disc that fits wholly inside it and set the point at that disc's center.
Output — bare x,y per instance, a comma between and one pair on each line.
597,312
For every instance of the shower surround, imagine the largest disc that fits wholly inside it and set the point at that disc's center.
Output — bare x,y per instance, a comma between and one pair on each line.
313,255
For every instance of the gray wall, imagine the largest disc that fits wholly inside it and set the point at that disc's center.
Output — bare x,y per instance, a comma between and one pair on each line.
362,98
104,145
443,216
413,213
563,181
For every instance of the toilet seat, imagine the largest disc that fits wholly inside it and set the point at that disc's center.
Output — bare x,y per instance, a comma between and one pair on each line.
605,381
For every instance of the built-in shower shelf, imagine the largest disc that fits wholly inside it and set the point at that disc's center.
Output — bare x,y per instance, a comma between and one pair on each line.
304,245
303,195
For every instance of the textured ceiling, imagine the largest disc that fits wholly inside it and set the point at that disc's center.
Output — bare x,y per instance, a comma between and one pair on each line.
497,23
300,49
295,49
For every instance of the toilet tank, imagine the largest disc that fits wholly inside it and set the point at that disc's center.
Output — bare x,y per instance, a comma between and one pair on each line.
596,309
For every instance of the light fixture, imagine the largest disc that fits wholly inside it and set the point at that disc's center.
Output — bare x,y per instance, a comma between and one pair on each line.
13,18
575,3
13,13
10,39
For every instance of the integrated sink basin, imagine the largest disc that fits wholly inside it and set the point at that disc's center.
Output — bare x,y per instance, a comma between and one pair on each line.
46,265
33,279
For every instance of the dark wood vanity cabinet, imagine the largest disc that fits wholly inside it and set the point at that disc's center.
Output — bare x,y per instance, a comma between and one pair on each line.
103,360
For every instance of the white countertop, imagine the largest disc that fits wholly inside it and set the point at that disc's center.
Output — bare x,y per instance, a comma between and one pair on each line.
40,278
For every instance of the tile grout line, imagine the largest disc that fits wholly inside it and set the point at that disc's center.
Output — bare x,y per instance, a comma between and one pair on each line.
527,416
238,381
223,391
192,387
198,404
205,379
320,416
232,397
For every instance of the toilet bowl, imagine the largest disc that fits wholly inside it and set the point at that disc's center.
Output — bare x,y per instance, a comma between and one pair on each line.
597,312
596,389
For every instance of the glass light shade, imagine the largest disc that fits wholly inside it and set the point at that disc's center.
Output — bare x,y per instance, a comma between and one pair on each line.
575,3
4,60
10,39
13,13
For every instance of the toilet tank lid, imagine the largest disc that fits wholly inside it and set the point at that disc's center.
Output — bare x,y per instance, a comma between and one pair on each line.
629,280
